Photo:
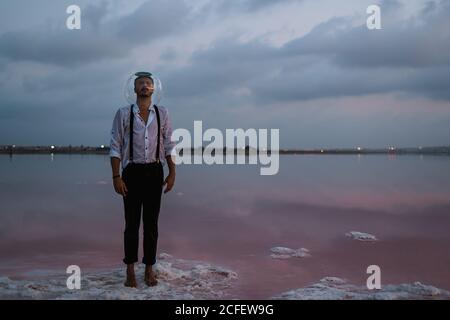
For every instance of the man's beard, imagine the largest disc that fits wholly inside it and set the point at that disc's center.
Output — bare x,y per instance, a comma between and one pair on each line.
145,94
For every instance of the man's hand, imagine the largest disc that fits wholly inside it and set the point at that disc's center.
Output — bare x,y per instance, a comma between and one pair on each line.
169,182
120,186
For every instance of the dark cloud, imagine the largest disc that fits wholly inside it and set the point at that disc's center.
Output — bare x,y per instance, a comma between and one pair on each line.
246,5
335,59
154,19
64,48
420,41
94,15
227,65
97,39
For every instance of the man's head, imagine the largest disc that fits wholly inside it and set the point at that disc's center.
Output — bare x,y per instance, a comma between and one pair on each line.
143,84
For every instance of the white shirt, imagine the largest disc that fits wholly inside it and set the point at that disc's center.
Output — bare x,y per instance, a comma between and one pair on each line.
144,138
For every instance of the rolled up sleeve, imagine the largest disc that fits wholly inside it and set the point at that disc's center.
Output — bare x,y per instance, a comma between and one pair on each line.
167,136
116,137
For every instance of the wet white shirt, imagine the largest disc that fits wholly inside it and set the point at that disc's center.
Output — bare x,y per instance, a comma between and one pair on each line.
144,138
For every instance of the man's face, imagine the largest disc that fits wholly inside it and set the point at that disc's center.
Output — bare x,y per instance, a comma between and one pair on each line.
143,87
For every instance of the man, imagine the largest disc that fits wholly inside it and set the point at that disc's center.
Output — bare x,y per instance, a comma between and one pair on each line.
135,143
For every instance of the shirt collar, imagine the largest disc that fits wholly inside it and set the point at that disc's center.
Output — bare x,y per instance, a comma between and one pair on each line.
151,108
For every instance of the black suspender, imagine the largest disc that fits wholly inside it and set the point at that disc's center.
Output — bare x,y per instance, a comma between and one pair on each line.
131,133
159,125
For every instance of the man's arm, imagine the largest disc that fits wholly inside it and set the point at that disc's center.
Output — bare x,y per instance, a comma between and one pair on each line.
118,183
168,146
170,164
115,145
115,166
170,179
115,154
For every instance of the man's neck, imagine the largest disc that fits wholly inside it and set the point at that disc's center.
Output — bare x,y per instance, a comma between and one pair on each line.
143,103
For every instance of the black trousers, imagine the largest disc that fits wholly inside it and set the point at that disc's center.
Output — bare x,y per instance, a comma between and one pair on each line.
144,183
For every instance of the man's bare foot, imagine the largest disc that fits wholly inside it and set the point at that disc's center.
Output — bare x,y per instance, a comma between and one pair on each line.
150,277
131,277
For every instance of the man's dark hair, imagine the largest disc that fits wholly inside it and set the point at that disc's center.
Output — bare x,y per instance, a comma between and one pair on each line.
143,74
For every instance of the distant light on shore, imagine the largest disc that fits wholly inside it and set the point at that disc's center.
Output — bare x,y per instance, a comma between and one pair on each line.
102,146
52,147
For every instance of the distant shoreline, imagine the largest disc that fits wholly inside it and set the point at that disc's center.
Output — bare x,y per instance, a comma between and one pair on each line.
435,150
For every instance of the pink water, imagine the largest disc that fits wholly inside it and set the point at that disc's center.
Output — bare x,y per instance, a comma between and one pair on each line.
62,210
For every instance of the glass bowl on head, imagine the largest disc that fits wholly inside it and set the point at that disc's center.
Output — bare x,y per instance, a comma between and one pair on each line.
130,95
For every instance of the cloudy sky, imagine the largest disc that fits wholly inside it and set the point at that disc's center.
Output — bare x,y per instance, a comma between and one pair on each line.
310,68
